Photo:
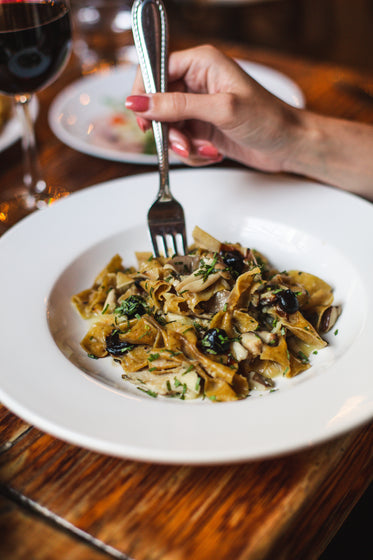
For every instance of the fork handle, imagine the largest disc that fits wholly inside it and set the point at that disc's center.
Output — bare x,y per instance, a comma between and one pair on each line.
150,33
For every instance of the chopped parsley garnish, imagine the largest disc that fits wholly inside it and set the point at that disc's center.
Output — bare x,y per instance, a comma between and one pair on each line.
303,358
148,392
185,387
133,306
206,269
153,357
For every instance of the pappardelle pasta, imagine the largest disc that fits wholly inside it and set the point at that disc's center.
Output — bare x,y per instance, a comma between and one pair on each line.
216,323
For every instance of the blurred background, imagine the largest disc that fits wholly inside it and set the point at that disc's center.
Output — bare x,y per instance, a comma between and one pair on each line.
329,30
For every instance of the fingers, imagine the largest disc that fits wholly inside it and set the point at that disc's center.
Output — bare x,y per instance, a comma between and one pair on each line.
194,68
180,143
219,109
193,151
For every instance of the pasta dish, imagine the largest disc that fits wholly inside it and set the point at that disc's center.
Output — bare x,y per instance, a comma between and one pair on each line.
216,323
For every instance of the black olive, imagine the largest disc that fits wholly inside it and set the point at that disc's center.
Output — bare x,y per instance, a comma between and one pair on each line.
132,306
234,261
215,341
288,301
115,346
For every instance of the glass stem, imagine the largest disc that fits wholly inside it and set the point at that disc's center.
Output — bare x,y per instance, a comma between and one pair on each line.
32,178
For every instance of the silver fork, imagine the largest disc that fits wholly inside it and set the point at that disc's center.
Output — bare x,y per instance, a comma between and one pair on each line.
150,32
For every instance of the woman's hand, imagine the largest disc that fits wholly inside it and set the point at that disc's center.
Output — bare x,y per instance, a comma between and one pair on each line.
215,109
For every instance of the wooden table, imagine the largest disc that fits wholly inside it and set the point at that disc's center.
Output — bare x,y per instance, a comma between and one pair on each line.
62,501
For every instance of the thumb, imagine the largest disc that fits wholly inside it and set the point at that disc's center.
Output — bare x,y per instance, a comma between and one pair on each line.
215,108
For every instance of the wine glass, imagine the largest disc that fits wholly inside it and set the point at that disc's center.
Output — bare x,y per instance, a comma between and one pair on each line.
35,43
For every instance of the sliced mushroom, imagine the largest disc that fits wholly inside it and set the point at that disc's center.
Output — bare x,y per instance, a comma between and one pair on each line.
217,302
183,265
239,352
110,302
329,318
267,298
253,343
269,338
259,381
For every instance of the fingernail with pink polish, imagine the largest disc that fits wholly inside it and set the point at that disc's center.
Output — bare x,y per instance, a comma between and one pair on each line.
138,103
179,149
209,151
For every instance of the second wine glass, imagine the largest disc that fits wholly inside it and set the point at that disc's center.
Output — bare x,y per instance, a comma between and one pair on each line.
35,43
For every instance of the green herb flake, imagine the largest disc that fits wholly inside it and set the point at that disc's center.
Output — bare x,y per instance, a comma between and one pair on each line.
303,358
153,357
185,387
148,392
335,332
92,356
173,352
206,269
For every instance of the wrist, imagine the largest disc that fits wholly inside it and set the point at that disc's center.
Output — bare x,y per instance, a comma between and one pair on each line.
305,142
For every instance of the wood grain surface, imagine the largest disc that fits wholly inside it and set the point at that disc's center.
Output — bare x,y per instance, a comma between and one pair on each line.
62,501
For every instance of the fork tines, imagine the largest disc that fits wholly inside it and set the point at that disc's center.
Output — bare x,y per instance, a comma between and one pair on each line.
167,228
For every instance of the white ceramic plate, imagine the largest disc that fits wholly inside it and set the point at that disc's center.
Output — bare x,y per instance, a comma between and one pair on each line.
75,114
12,130
48,380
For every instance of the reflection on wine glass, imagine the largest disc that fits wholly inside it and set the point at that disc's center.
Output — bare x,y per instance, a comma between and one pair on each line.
35,42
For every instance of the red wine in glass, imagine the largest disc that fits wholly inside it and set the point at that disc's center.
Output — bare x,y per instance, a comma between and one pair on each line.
35,42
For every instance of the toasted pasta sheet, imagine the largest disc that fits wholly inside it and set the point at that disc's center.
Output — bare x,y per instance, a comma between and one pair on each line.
218,322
